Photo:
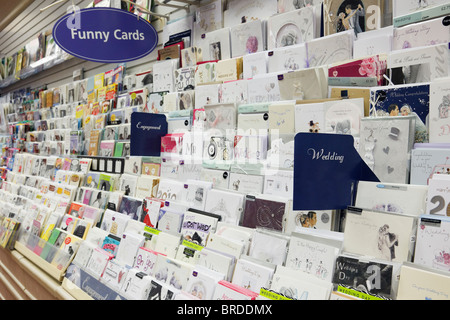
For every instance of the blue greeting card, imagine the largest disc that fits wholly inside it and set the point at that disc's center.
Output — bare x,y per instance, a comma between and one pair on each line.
401,100
326,169
146,132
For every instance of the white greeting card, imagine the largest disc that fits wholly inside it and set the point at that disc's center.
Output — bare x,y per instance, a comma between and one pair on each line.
279,183
291,28
129,245
418,65
238,12
147,186
227,204
234,92
173,272
381,235
170,220
114,222
196,192
145,260
424,160
269,247
253,123
255,64
313,255
410,6
287,58
215,45
310,117
136,285
252,274
217,261
282,117
330,49
206,95
206,73
246,183
344,116
298,285
208,17
432,244
421,34
164,75
264,88
220,117
219,178
202,282
226,245
438,201
392,197
169,189
167,243
439,114
306,84
197,226
247,38
114,275
373,43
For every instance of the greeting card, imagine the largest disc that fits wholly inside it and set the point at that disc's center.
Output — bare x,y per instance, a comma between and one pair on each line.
202,282
377,278
185,79
438,195
344,116
330,49
163,75
215,45
239,12
265,211
313,254
206,95
392,197
282,117
198,225
208,17
380,235
228,205
424,159
287,58
439,115
247,38
206,73
255,64
264,88
291,28
307,84
234,92
411,6
357,16
246,183
379,137
374,42
418,65
229,69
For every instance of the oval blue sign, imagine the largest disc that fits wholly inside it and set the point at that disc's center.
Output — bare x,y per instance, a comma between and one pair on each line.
105,35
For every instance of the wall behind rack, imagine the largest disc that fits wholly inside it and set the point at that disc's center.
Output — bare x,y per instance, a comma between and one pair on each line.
32,21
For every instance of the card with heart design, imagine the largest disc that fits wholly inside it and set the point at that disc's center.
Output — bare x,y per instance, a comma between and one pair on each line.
385,146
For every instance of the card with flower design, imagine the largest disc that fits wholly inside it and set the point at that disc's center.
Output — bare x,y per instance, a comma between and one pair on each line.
382,235
421,34
291,28
370,67
439,115
432,244
355,15
392,197
247,38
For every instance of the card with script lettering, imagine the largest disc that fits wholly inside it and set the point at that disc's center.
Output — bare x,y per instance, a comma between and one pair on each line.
422,283
227,204
291,28
313,254
344,116
432,243
253,274
377,278
197,225
382,235
424,159
418,65
146,132
287,58
255,64
411,6
326,154
420,34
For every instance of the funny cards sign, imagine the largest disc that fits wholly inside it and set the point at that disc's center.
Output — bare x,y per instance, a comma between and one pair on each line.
105,35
